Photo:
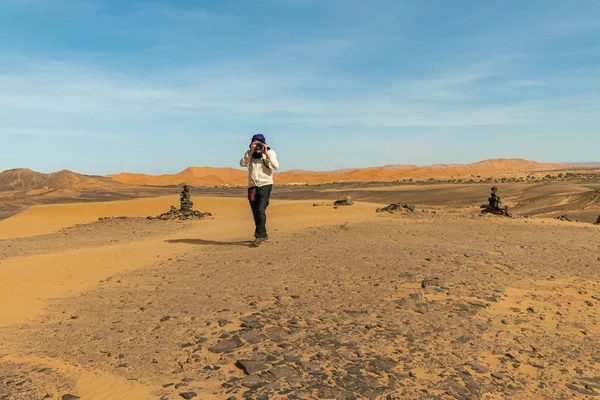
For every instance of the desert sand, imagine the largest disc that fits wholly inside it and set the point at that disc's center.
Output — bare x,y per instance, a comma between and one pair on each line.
342,303
208,176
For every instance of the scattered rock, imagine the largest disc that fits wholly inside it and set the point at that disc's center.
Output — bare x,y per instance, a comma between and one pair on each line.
253,382
251,367
430,282
69,397
345,202
188,395
499,375
416,296
282,372
226,345
396,207
251,322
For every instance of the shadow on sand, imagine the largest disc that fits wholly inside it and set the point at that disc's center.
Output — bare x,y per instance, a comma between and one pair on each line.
202,242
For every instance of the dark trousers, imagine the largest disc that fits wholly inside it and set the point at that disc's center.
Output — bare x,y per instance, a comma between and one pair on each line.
259,207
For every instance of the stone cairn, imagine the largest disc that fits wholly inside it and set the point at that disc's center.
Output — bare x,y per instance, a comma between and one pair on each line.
597,221
185,211
397,207
495,205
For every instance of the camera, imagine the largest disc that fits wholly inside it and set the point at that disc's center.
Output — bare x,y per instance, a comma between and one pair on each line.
260,146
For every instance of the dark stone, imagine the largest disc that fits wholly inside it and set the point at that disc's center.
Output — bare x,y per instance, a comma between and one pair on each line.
416,296
589,303
253,382
188,395
396,207
463,339
69,397
587,391
251,322
185,345
253,337
499,375
282,372
251,367
226,345
430,282
165,318
223,322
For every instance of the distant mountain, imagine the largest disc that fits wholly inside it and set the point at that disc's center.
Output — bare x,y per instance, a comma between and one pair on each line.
24,179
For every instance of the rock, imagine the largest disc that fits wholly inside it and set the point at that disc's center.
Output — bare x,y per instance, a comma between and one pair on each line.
430,282
165,318
416,296
396,207
282,372
253,382
69,397
223,322
253,337
251,322
499,375
346,202
564,218
479,368
188,395
596,297
226,346
589,303
463,339
581,291
251,367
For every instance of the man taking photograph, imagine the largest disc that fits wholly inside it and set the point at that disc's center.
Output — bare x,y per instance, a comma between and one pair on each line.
261,162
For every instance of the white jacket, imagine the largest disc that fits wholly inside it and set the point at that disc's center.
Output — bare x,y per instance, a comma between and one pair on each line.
260,171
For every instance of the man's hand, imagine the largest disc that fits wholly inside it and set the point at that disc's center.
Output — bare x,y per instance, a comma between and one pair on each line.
253,148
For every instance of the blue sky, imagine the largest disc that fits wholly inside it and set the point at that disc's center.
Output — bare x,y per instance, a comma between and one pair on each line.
104,86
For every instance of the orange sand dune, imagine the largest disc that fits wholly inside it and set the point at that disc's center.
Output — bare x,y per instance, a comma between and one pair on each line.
207,176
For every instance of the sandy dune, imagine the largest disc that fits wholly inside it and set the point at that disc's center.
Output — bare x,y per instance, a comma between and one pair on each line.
208,176
335,305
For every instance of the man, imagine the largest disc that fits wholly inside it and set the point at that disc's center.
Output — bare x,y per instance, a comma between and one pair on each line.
261,162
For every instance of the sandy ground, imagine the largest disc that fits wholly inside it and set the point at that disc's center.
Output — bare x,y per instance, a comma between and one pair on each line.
342,303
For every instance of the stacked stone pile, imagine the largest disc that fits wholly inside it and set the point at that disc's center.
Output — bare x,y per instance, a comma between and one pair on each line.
185,211
495,205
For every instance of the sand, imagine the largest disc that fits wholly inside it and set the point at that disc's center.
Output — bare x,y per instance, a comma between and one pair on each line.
71,297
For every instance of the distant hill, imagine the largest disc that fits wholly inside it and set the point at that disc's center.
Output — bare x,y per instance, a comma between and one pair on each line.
208,176
196,176
24,179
